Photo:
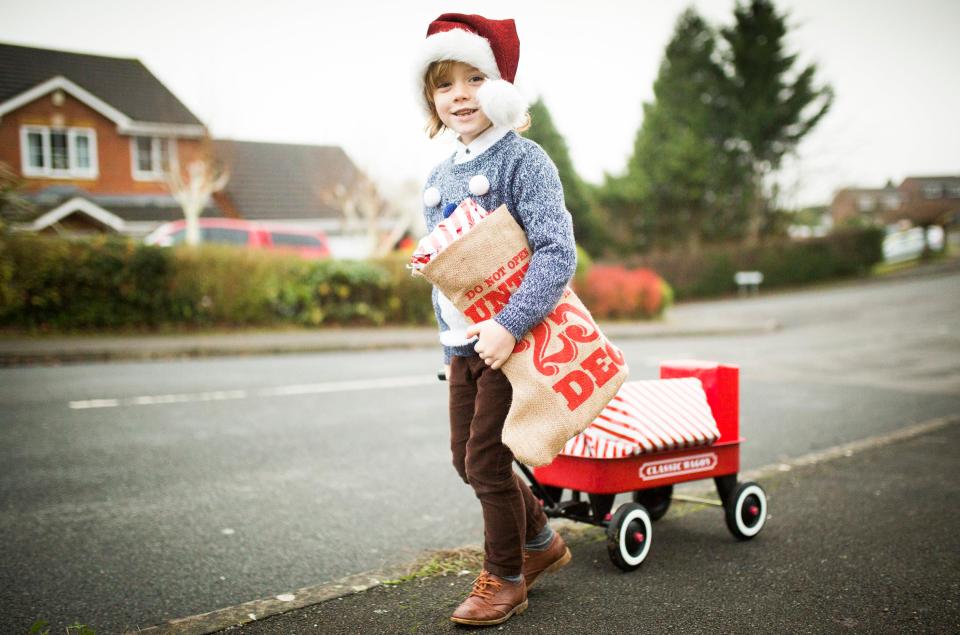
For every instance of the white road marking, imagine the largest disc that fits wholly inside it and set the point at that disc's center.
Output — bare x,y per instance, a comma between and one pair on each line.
274,391
346,386
94,403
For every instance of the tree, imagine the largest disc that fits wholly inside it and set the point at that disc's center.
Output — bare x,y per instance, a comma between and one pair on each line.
194,194
683,180
773,106
378,222
589,228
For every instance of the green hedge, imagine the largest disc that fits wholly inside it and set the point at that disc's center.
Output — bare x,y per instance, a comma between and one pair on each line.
110,283
710,273
51,284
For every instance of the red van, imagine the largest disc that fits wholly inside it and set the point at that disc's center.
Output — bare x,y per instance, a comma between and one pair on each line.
307,243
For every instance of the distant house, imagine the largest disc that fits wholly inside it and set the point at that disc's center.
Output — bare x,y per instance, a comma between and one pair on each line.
869,205
922,201
306,185
286,183
91,137
927,201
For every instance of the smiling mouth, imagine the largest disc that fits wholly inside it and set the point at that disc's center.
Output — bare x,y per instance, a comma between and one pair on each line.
466,112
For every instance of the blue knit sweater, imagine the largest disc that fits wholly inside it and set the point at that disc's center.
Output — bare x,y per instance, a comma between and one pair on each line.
523,178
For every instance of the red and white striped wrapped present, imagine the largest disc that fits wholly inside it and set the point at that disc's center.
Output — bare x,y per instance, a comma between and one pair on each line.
460,222
646,417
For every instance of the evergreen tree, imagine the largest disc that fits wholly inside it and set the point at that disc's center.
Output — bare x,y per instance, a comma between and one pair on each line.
588,227
773,106
682,182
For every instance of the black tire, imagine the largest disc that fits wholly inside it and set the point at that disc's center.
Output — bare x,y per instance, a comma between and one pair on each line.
746,510
656,500
629,535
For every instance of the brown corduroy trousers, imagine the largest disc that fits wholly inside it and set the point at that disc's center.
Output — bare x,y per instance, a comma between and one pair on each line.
479,401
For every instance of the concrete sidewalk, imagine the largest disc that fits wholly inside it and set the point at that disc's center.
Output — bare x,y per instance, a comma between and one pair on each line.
684,320
860,539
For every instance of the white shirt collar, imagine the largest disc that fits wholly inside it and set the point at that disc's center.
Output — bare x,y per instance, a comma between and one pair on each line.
479,145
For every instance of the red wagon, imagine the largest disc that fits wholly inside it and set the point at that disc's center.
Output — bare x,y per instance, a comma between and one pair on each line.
650,473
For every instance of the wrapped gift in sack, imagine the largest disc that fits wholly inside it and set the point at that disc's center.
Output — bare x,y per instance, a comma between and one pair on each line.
563,372
460,221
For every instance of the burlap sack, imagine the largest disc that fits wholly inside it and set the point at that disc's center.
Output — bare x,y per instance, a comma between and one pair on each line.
563,372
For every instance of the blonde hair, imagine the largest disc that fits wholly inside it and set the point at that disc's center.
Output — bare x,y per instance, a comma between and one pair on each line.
436,73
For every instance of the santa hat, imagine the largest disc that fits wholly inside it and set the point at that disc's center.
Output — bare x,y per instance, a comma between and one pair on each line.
493,48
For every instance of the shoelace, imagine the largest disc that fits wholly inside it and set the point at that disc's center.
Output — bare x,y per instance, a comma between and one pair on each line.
485,586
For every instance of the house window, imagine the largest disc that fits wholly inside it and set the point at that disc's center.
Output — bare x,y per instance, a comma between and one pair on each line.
152,157
58,152
953,191
866,203
932,190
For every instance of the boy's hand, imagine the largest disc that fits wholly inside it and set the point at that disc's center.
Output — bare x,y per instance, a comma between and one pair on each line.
495,344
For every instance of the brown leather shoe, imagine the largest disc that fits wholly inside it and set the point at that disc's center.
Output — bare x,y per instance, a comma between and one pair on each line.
492,601
536,563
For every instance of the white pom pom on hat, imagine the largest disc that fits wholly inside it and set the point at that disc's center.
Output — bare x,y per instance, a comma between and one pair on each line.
493,48
502,103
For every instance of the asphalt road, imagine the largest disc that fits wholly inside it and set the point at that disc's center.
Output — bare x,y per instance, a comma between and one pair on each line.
138,492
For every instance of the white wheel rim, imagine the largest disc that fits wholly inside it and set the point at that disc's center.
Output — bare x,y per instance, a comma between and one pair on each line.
648,528
761,517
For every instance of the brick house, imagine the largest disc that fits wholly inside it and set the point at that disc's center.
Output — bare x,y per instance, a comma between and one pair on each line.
90,137
866,204
927,201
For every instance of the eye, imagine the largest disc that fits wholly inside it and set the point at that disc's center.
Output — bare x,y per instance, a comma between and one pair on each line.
477,78
443,85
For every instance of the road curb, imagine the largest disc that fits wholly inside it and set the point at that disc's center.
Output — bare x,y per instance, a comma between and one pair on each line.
247,612
258,609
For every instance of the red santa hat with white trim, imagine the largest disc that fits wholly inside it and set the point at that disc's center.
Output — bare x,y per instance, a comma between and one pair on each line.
493,48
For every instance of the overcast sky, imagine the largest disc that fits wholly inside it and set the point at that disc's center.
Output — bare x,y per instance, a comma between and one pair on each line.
341,73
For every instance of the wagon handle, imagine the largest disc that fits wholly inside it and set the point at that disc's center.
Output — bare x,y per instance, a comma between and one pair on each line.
538,489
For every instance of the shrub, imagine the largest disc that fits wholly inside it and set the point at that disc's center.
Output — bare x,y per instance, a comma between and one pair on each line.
110,283
98,283
615,292
408,300
221,285
845,253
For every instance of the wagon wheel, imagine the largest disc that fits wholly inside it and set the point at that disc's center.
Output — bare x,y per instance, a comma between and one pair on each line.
746,510
628,536
656,500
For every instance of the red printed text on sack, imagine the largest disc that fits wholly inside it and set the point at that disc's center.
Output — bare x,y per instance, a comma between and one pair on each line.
494,294
600,365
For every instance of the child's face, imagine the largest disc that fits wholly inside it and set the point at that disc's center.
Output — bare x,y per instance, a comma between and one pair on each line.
456,102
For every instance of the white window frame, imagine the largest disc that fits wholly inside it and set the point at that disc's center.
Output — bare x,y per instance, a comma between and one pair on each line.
73,171
156,174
